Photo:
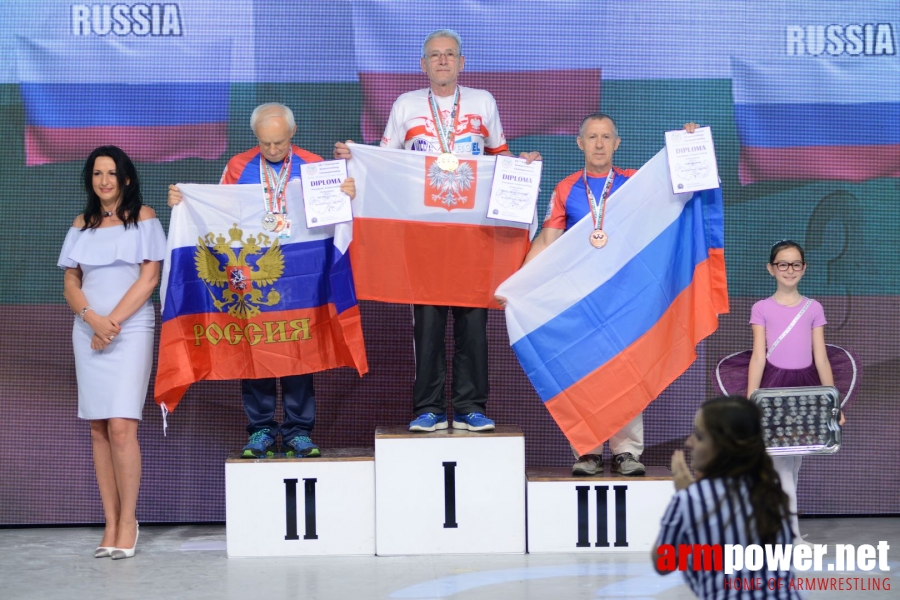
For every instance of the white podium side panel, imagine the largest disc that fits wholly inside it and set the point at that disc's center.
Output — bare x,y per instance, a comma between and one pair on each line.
608,513
450,492
301,506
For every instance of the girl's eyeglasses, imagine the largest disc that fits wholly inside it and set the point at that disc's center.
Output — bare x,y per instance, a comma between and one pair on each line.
783,266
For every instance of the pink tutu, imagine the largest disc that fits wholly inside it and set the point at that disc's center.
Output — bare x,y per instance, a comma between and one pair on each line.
730,375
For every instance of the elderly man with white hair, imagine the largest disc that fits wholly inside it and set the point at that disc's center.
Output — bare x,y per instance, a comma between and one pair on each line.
454,121
273,163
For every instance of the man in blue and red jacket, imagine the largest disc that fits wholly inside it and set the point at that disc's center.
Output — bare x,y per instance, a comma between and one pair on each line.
277,161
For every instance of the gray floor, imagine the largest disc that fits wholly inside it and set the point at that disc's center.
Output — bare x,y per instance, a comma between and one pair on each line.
188,562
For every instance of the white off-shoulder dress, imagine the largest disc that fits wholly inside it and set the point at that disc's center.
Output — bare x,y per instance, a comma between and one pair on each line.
112,383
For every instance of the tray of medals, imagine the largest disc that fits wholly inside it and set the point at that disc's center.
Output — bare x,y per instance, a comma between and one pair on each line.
800,420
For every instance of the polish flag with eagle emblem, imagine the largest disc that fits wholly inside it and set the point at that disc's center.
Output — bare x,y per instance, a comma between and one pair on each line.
239,302
421,234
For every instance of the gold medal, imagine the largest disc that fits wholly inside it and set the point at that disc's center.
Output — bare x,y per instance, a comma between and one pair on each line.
447,161
598,238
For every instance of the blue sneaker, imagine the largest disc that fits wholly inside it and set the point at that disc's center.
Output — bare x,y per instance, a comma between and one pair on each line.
302,446
261,445
428,422
474,421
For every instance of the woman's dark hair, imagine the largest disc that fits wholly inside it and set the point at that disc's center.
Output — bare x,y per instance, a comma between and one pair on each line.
779,246
129,209
733,424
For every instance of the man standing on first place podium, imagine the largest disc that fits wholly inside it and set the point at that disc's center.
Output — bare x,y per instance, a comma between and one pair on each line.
581,193
273,163
455,121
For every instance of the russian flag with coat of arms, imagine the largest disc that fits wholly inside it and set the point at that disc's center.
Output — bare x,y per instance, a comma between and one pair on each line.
240,303
601,333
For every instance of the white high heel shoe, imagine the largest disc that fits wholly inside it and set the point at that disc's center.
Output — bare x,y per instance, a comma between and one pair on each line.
103,551
119,553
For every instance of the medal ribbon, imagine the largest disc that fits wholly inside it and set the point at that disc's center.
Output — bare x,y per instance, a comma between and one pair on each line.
445,136
598,212
273,185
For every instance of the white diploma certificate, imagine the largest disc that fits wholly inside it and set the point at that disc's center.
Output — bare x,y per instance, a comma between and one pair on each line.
692,160
323,200
514,191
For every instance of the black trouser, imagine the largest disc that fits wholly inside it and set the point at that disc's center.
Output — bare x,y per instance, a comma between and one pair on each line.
297,396
470,378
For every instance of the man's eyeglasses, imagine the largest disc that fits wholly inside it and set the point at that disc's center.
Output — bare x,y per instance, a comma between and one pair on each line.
450,55
783,266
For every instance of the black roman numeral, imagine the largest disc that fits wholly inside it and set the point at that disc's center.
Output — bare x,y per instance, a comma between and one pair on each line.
450,495
309,486
584,541
290,509
621,533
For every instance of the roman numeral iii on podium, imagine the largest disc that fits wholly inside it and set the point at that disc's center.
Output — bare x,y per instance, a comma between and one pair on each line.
606,513
601,520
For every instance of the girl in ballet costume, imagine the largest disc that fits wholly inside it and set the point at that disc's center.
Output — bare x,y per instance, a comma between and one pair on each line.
789,350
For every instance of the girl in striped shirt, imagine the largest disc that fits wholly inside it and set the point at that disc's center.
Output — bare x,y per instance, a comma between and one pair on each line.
735,499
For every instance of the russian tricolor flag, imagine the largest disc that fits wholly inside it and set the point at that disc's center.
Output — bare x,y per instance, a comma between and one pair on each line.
422,235
549,100
817,118
174,106
240,303
601,333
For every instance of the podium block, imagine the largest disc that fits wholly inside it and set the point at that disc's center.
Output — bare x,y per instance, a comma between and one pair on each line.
449,492
301,506
605,513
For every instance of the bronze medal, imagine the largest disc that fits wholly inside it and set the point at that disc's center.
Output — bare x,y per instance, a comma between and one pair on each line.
598,238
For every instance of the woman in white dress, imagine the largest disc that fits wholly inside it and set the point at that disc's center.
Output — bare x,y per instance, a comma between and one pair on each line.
112,257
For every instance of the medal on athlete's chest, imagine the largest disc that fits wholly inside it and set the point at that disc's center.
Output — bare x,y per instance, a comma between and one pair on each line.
447,161
276,219
446,132
598,237
274,222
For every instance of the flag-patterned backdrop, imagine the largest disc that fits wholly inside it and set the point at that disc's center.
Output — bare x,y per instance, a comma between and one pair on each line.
801,96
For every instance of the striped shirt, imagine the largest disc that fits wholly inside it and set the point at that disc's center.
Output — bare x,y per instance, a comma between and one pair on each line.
706,512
